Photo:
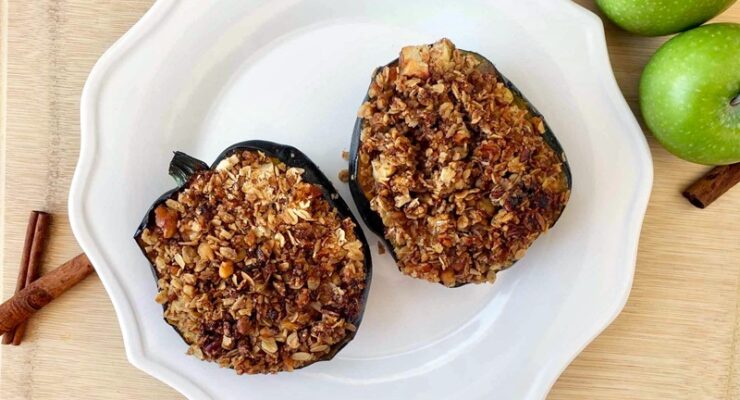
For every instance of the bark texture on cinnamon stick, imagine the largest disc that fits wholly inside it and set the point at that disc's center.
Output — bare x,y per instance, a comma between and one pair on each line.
34,264
23,268
39,293
713,185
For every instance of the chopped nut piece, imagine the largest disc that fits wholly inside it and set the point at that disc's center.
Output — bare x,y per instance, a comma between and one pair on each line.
345,155
448,277
175,205
166,219
344,175
383,169
313,283
227,163
412,62
205,251
228,252
161,297
226,269
243,325
188,254
381,248
491,276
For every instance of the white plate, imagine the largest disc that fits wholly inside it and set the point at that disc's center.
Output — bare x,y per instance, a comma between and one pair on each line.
198,76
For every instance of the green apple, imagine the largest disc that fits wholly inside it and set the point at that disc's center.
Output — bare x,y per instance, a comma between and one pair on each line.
690,94
661,17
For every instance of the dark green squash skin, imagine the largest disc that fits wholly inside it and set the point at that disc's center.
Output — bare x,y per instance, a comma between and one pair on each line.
183,167
372,219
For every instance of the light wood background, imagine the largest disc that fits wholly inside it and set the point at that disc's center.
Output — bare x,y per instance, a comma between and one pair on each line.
676,339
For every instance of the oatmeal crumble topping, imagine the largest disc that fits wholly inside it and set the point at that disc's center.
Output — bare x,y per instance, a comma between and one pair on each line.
456,166
256,269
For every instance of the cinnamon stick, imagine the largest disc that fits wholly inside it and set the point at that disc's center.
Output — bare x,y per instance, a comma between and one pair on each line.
23,269
34,264
713,185
42,291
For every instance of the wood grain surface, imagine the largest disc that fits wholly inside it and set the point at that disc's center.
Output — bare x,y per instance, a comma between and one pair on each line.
676,339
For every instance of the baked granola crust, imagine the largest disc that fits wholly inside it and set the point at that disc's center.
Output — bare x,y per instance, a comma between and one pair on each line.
256,269
456,166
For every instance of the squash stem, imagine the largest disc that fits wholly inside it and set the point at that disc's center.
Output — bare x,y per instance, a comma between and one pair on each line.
182,167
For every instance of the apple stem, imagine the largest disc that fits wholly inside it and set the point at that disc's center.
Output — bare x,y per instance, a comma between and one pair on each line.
736,101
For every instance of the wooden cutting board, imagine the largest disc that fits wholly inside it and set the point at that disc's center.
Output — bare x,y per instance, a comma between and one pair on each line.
676,339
